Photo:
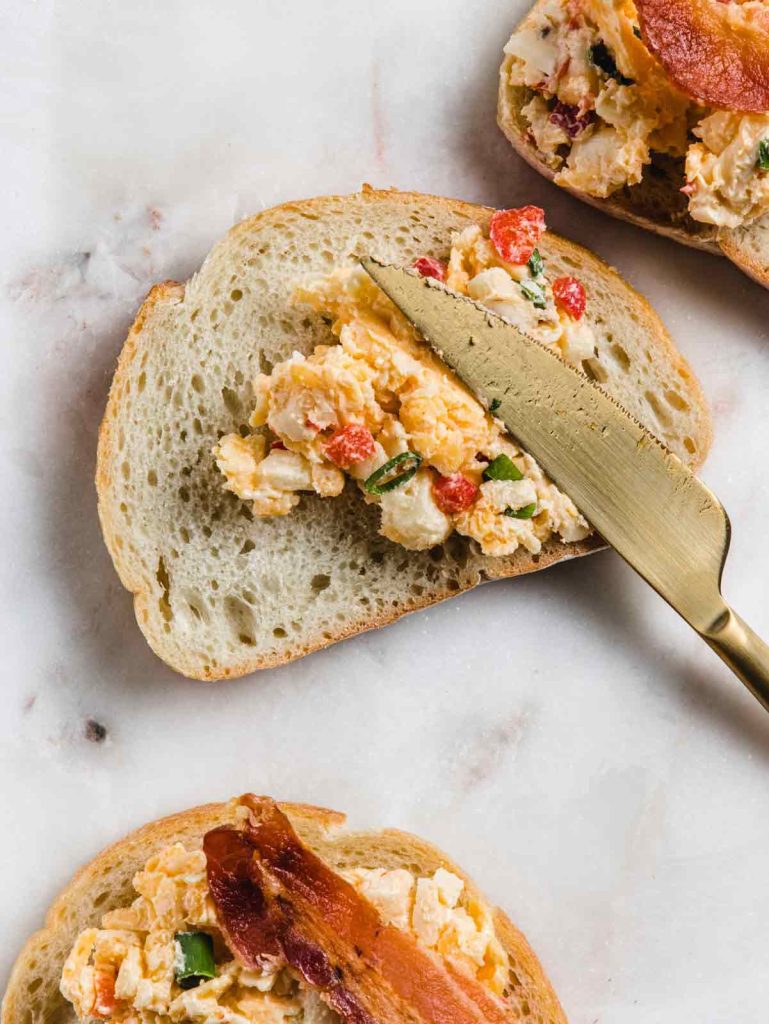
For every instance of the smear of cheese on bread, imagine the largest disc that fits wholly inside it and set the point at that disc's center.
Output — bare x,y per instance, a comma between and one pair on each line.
630,113
382,376
135,946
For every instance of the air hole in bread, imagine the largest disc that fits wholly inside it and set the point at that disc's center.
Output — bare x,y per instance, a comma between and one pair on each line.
320,582
690,445
620,356
459,549
279,632
164,601
247,546
184,493
662,414
595,371
677,401
152,478
241,620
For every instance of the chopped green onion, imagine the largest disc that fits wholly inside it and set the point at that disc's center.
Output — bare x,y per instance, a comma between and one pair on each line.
194,960
502,468
495,404
372,484
636,31
536,263
763,155
521,513
600,56
535,292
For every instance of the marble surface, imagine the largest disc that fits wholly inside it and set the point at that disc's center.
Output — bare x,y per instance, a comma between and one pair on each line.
589,760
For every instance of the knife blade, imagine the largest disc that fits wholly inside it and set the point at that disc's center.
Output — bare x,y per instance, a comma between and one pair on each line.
642,499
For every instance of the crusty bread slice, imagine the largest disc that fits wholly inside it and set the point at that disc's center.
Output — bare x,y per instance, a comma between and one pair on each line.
656,203
33,996
220,594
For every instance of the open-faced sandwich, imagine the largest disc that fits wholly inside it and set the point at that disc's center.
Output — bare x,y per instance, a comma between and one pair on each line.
255,913
284,463
656,111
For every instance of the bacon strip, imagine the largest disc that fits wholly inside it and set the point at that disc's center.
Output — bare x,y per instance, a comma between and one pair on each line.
243,912
368,971
709,52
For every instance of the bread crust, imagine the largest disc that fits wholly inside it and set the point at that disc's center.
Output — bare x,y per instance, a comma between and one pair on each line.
719,242
499,568
322,829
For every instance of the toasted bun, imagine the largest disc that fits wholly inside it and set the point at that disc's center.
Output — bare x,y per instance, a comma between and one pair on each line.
655,204
33,995
218,594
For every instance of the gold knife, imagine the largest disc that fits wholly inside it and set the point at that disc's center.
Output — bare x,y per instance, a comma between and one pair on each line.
639,496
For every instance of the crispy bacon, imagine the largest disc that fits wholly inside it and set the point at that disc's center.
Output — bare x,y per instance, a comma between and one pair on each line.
242,908
271,892
708,53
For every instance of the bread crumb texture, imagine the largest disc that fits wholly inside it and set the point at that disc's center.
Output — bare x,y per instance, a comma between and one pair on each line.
219,593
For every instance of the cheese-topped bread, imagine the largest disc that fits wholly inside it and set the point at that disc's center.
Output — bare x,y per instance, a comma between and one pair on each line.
587,103
234,506
154,929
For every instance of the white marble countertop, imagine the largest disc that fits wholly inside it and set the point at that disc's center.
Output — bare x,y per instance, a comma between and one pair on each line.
595,766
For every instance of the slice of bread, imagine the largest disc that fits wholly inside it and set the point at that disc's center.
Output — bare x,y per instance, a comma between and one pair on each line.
33,996
656,203
218,593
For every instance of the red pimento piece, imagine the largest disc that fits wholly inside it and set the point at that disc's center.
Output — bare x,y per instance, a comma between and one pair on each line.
515,233
570,296
104,988
428,266
277,446
312,426
454,494
571,119
351,444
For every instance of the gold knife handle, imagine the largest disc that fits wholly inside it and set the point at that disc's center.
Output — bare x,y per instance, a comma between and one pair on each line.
744,652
